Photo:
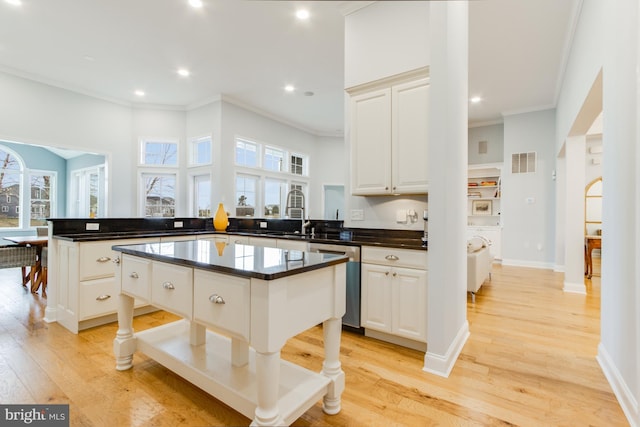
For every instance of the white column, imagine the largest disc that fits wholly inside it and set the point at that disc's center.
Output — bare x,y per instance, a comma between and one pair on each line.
447,327
574,215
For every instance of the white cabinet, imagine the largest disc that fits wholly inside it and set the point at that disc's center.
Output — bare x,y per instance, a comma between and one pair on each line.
388,134
394,293
87,285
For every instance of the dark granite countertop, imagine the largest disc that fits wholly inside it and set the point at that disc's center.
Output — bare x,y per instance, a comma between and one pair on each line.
240,260
365,240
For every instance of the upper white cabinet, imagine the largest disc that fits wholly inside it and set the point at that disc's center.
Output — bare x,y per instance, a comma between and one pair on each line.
388,130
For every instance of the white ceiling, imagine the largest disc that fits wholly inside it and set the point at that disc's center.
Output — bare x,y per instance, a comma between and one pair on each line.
249,50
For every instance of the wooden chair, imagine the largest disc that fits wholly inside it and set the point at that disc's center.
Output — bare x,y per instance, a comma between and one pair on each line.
12,256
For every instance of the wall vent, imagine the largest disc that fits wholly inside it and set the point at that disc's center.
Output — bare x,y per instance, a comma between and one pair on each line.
482,147
523,162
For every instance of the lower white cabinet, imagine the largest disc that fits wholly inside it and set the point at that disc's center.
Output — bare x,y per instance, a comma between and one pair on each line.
86,285
394,292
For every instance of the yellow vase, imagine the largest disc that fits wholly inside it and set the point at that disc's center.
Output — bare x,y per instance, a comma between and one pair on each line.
220,220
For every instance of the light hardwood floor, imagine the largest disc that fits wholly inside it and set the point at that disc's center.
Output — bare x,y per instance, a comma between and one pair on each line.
530,361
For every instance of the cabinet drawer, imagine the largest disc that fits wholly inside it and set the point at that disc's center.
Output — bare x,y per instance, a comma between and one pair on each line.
172,288
96,260
395,257
136,277
97,298
233,316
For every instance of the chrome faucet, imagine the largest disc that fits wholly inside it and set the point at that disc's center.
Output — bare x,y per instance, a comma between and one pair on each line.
302,209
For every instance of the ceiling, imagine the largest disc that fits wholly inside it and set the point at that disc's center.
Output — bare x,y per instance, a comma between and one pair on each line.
247,51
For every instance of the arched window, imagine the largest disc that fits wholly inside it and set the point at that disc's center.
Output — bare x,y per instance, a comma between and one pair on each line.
11,178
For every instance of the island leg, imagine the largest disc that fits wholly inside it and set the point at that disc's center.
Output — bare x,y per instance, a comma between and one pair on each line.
268,378
124,345
331,367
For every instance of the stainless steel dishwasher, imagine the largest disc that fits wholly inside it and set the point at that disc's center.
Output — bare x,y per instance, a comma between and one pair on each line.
351,318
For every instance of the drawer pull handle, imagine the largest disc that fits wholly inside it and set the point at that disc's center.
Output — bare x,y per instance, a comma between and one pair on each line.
103,259
216,299
391,258
168,285
103,297
134,275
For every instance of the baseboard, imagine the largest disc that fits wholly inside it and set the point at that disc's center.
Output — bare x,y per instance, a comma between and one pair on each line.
625,397
575,288
443,364
394,339
558,268
525,263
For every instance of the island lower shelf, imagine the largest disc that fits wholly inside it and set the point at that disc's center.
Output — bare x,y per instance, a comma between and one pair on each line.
209,366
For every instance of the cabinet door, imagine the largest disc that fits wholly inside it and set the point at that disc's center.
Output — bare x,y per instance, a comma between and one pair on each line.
410,110
376,297
409,303
370,130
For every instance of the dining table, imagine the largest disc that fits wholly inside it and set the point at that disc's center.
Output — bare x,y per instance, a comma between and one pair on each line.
35,275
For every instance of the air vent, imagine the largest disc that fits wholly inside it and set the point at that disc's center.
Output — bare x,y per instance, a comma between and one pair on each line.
523,162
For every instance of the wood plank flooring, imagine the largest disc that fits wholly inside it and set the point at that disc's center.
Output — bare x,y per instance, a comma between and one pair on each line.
530,361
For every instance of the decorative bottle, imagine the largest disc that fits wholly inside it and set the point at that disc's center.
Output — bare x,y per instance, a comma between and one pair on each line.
220,220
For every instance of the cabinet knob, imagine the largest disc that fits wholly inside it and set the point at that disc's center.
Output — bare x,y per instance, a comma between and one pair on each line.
386,273
103,259
168,285
103,297
134,275
216,299
386,188
395,274
391,258
117,261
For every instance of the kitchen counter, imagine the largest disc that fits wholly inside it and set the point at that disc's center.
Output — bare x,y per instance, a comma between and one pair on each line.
240,260
384,238
239,307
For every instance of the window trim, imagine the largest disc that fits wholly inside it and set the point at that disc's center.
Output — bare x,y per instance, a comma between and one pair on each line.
141,187
192,151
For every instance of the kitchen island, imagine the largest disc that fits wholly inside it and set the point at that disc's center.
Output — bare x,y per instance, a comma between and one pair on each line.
239,304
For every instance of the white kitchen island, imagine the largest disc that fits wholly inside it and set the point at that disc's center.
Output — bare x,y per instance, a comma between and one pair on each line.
239,304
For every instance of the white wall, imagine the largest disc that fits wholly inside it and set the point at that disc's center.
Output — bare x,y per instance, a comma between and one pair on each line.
377,47
329,167
34,113
528,228
607,38
494,135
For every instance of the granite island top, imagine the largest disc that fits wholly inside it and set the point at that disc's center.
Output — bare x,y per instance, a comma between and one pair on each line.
240,260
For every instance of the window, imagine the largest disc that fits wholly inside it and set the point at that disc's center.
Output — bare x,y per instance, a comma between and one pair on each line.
246,153
41,185
10,187
297,163
88,190
159,153
201,151
273,194
202,195
273,159
159,195
295,206
246,186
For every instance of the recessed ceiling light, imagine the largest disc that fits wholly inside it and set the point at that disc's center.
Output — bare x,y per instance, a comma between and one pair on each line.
88,58
14,2
183,72
195,3
139,92
289,88
302,14
308,93
476,99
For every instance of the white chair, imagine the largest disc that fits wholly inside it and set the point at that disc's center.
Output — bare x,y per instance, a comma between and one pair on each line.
479,262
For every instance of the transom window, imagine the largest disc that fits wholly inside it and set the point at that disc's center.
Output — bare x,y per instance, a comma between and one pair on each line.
273,159
159,153
201,151
297,165
246,153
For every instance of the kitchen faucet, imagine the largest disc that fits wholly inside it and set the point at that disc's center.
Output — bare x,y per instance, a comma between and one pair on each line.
295,191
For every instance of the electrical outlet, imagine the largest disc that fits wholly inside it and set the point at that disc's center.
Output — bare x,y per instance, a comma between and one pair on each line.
92,226
263,224
357,215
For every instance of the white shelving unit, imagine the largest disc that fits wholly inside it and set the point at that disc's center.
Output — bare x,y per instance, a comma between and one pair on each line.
484,192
